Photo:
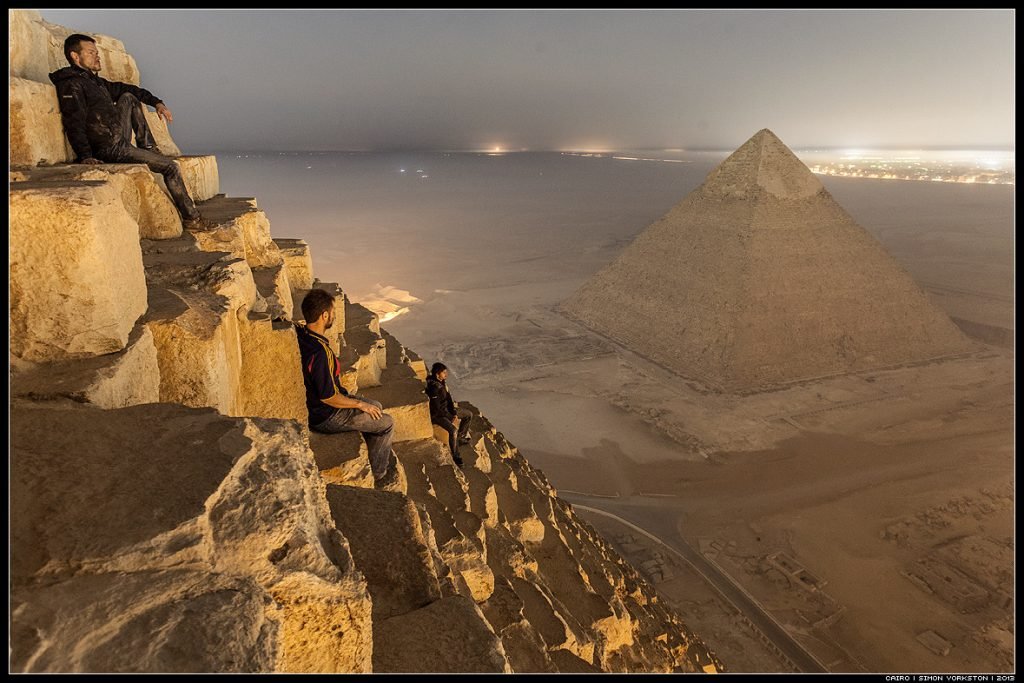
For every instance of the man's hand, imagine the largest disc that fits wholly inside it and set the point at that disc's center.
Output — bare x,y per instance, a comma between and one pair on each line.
371,410
163,112
91,161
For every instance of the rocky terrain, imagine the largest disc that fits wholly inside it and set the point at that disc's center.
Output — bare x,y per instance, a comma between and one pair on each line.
170,511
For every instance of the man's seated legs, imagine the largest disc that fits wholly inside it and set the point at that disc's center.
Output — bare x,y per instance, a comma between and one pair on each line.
464,416
377,432
453,444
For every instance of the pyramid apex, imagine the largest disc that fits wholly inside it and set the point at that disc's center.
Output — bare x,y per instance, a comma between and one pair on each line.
762,164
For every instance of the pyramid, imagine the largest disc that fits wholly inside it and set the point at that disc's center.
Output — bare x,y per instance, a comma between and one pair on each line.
759,278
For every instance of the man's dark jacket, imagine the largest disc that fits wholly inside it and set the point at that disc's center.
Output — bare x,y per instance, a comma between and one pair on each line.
87,109
442,407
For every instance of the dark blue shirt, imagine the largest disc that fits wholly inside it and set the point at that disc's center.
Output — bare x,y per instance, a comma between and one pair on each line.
320,372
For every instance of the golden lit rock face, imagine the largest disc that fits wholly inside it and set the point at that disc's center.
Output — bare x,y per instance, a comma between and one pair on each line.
758,278
36,131
77,285
182,539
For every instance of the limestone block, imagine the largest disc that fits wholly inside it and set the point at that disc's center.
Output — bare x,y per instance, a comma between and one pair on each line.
423,453
272,284
508,557
359,357
460,641
125,378
358,316
76,279
483,501
176,263
162,136
271,382
198,348
242,230
417,364
117,64
28,41
36,131
525,649
342,458
298,262
450,486
202,181
159,487
144,199
543,616
464,558
175,621
503,608
406,402
388,546
567,662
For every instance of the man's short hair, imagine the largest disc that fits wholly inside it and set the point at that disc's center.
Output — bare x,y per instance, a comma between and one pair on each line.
315,304
436,368
73,43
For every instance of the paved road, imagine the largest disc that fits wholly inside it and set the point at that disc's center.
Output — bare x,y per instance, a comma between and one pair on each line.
657,521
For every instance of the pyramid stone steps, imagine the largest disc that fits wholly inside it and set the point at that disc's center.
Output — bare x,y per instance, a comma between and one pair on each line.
506,555
298,262
75,232
483,501
143,197
272,284
399,356
563,574
568,663
460,641
271,383
144,498
525,649
406,402
517,508
127,377
342,458
241,230
179,263
393,556
543,616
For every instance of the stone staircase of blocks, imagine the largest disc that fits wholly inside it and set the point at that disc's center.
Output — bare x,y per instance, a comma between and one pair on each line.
174,512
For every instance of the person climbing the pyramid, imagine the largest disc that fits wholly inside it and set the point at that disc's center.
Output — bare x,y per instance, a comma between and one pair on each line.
443,412
99,117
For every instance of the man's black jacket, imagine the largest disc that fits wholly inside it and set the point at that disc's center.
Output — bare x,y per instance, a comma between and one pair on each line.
87,109
441,404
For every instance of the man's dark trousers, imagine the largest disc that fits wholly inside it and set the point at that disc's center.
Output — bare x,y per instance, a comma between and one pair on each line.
378,432
449,426
132,119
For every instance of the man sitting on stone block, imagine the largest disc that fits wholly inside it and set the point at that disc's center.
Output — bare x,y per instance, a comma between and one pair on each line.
100,116
331,409
443,412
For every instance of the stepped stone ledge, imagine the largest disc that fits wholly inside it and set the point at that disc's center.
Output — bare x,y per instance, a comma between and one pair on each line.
171,510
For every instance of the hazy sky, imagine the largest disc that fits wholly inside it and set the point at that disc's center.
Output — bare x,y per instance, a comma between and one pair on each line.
307,80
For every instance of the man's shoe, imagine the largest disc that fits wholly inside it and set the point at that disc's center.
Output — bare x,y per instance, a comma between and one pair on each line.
458,461
198,224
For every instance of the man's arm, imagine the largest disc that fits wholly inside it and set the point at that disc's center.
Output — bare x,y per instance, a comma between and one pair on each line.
323,380
72,114
341,401
116,89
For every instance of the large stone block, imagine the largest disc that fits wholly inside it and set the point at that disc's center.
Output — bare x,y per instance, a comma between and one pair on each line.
28,42
76,279
162,136
459,641
242,230
388,545
125,378
179,621
297,261
36,132
272,284
405,401
143,197
271,378
342,458
202,179
160,487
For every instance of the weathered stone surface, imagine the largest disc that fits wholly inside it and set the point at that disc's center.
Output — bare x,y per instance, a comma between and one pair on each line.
162,136
36,133
158,487
298,262
366,350
271,382
202,180
198,348
759,278
342,458
459,641
76,277
483,501
525,649
242,230
406,402
125,378
179,263
28,42
176,621
388,545
143,197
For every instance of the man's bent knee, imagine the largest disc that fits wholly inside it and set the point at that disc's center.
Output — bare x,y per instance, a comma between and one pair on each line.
128,97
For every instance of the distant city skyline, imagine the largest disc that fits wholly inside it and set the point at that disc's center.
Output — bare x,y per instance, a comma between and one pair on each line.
559,80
